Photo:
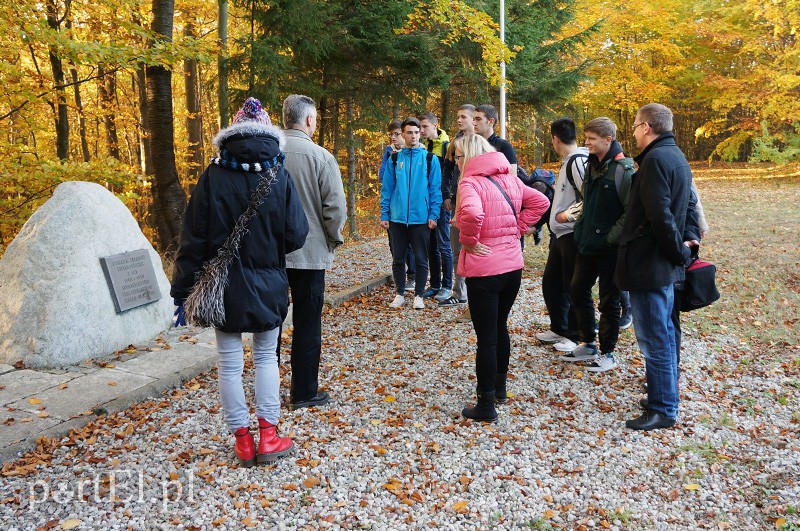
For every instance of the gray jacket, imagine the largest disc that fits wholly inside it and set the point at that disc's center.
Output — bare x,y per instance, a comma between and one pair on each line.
565,195
318,181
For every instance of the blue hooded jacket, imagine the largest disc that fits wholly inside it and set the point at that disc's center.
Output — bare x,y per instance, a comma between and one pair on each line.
410,194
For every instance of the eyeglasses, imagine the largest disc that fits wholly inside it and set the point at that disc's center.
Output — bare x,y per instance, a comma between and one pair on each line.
396,134
637,125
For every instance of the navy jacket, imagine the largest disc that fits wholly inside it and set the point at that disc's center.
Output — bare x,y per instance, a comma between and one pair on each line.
652,254
257,297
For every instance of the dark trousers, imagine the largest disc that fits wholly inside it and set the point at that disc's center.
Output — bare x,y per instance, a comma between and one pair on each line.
490,301
308,295
440,255
556,282
409,256
588,268
402,236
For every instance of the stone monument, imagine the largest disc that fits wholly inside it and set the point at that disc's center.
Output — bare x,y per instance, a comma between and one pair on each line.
58,305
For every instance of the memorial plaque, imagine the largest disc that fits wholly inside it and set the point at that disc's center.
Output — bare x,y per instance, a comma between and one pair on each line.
131,279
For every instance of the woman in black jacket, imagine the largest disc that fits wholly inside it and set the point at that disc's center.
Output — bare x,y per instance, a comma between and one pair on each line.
256,297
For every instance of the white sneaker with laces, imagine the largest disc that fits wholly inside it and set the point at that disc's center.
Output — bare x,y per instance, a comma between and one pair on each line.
602,363
549,337
397,302
582,352
419,303
565,345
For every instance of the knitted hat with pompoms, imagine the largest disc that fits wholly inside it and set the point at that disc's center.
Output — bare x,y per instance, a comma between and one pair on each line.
253,111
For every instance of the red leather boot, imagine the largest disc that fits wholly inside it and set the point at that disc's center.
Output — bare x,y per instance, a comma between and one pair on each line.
270,446
245,447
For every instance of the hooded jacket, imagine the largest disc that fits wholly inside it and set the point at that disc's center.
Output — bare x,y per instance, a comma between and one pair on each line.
484,216
256,297
410,194
599,226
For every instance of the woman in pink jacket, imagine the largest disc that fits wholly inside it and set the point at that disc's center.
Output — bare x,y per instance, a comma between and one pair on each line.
494,210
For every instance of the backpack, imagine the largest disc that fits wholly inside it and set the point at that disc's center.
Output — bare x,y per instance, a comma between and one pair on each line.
541,181
428,160
571,178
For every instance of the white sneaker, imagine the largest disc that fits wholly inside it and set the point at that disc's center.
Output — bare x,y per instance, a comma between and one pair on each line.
582,352
549,337
565,345
397,302
602,363
419,304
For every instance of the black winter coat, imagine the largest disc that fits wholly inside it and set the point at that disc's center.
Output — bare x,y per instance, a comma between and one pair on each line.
652,254
257,297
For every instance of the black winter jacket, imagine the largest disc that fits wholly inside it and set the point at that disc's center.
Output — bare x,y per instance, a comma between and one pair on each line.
652,254
257,297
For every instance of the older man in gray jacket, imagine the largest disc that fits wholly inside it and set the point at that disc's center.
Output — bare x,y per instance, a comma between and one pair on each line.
319,183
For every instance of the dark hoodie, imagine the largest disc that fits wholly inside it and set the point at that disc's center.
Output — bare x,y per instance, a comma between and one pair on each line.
605,201
256,298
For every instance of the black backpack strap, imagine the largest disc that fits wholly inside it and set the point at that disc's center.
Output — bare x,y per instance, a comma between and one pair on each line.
444,148
428,160
394,160
571,178
504,195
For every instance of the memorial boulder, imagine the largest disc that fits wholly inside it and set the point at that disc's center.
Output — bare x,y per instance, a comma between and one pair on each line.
79,281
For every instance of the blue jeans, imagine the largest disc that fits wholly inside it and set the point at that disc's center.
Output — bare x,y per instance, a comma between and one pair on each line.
267,378
440,254
655,332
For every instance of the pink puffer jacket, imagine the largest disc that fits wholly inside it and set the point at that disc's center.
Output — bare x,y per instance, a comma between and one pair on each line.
485,216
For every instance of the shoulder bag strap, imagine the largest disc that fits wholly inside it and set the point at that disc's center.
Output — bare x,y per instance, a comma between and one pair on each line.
508,199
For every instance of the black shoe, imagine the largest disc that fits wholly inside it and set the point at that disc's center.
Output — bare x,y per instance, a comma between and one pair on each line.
500,395
321,399
484,410
650,420
644,403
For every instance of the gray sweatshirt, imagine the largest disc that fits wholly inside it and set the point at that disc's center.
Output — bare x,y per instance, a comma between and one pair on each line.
565,194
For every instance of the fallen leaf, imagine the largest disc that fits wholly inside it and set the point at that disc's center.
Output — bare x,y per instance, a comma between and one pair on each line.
311,481
779,523
42,414
460,506
26,419
290,486
692,486
549,513
34,401
63,386
219,521
72,523
390,398
112,383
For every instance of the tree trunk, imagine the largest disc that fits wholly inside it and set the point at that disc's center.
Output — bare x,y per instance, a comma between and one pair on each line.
62,118
351,171
222,60
144,118
169,199
81,117
323,114
444,119
107,89
194,120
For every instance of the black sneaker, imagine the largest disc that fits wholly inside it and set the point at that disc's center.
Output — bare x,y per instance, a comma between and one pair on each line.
321,399
452,301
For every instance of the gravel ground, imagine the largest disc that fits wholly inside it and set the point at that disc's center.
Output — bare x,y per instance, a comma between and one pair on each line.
371,259
393,453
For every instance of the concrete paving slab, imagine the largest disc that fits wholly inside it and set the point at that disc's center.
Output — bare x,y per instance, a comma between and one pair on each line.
5,368
12,432
20,384
86,392
164,362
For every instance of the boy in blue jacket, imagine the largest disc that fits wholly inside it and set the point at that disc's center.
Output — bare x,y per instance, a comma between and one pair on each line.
411,197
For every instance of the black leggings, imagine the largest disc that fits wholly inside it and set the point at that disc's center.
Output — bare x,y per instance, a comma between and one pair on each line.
490,301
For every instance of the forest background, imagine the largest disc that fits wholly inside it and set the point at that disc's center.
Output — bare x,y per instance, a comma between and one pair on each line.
129,94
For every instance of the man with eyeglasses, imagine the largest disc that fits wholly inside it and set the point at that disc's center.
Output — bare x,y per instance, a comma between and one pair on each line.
655,246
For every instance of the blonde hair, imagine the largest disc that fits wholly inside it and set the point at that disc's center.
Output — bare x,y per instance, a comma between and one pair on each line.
472,145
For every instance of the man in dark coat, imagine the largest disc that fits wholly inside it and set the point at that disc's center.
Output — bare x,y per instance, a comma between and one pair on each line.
653,255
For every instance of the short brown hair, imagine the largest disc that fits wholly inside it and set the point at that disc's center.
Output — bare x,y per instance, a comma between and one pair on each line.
657,116
409,121
430,117
602,126
394,124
